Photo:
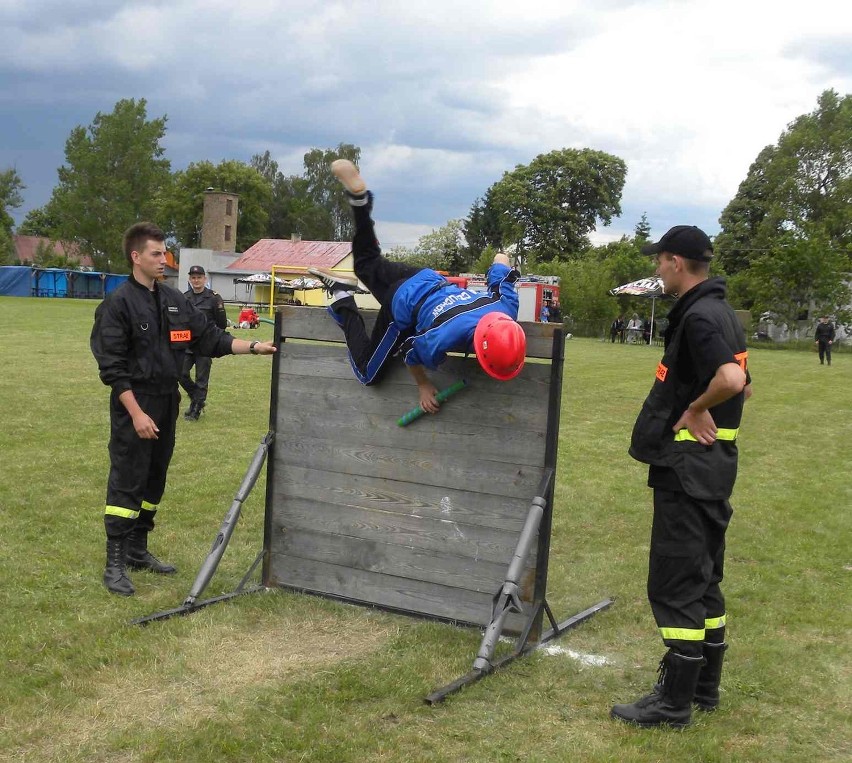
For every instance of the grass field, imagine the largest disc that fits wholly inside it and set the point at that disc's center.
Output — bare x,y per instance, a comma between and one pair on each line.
282,677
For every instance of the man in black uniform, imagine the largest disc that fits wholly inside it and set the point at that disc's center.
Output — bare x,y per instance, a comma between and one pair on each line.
141,332
824,338
687,432
212,305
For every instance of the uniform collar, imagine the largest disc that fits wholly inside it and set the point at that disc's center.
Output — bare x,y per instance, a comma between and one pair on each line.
142,286
715,288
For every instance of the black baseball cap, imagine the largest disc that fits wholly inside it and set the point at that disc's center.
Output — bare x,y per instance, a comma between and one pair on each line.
196,270
685,240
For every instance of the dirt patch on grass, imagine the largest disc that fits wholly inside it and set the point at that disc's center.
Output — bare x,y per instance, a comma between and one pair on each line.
218,670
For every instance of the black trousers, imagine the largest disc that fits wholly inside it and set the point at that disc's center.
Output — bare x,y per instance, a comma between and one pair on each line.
138,467
197,390
825,352
686,566
369,352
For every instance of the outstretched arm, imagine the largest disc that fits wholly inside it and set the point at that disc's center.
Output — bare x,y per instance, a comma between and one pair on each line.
427,390
243,347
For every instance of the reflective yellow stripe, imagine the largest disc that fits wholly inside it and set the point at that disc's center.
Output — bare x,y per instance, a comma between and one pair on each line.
721,434
118,511
683,634
150,506
715,622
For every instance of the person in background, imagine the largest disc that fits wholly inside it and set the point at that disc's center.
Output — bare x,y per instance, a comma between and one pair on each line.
140,335
544,313
634,329
616,330
212,305
824,338
556,312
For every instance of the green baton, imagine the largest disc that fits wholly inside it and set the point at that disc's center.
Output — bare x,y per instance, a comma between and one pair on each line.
443,395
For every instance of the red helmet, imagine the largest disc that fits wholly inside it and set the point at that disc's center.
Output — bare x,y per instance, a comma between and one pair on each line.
500,345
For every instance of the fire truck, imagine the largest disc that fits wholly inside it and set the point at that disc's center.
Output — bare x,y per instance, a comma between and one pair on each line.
533,292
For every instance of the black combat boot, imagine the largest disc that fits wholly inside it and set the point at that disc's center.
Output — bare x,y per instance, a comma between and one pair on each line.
115,576
193,412
139,558
707,690
670,703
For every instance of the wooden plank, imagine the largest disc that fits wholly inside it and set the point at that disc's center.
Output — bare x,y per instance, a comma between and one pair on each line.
389,559
314,323
384,590
445,436
357,491
520,403
464,472
415,532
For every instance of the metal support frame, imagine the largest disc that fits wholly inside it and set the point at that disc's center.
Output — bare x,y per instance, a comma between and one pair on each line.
220,543
508,598
538,522
189,609
439,695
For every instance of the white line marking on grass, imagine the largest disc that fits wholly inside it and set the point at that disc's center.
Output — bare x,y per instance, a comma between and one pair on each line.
585,659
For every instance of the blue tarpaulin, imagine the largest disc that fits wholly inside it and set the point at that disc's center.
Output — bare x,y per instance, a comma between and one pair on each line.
26,281
15,281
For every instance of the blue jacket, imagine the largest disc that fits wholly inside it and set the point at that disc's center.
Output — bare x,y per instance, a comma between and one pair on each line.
443,316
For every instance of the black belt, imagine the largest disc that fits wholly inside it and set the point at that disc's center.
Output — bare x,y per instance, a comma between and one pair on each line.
416,312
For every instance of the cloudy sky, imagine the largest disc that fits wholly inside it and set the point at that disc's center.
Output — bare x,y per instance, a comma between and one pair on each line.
442,97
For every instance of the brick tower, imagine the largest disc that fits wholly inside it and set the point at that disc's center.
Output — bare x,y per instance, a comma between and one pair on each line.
219,223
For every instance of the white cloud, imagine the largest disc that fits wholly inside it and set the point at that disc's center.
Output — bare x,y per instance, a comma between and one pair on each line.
444,97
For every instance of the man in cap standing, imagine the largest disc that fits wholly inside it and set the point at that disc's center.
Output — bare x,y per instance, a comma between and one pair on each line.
212,305
686,432
824,338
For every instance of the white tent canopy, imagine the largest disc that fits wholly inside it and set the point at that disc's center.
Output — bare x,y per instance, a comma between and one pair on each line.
651,287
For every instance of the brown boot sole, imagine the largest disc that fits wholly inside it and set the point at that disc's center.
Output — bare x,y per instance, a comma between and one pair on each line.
347,173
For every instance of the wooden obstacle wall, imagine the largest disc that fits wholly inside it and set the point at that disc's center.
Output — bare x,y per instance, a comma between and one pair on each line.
423,518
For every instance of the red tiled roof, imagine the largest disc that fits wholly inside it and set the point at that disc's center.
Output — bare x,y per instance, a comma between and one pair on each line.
303,254
27,246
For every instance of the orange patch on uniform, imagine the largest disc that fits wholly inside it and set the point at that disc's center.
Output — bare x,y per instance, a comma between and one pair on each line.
181,336
661,372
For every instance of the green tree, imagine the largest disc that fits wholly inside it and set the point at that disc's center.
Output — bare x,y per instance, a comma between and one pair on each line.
481,228
742,220
290,210
113,172
803,274
295,212
547,208
39,222
325,190
442,249
46,256
484,261
801,186
400,253
586,280
313,206
181,209
8,255
642,230
11,186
